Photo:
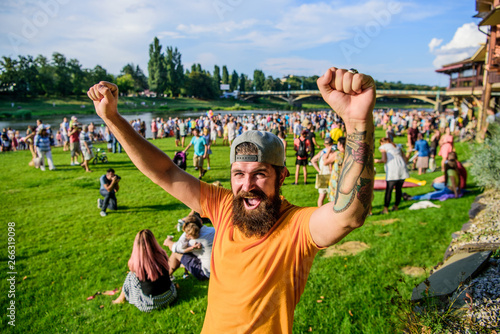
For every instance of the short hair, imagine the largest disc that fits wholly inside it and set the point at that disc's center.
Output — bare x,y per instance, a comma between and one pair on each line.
194,219
110,170
341,141
191,229
246,148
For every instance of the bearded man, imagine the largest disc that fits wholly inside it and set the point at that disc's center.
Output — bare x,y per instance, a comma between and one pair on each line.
264,246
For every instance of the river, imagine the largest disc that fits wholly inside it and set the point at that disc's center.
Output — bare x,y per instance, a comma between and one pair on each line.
54,121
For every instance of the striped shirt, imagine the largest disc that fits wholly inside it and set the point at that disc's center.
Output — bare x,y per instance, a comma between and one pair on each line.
43,143
84,137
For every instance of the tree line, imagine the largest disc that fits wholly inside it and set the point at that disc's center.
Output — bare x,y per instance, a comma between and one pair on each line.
28,76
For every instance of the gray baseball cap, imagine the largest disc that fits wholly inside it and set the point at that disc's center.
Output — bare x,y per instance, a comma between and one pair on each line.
270,148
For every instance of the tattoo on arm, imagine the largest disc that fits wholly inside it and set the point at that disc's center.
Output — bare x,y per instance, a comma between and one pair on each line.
356,177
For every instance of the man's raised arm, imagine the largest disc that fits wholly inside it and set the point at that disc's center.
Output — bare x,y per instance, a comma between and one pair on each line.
352,96
149,159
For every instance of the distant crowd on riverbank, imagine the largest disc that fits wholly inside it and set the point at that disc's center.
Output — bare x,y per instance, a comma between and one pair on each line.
228,126
223,129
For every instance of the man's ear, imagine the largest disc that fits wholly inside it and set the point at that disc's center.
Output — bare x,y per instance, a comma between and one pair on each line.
284,174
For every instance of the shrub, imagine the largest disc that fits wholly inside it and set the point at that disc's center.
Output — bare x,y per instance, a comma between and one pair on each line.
485,159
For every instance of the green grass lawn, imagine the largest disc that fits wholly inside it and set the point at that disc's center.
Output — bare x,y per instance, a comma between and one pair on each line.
65,251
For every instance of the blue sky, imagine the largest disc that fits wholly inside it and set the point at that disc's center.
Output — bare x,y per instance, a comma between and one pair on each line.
390,40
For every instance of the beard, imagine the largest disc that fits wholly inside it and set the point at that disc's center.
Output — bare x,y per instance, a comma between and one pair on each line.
259,221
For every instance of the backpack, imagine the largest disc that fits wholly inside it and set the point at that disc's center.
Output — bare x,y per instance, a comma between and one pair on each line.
302,151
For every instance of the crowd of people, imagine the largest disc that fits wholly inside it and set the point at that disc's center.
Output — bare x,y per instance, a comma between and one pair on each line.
429,134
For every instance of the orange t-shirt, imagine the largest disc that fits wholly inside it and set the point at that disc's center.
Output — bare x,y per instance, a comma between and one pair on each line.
255,284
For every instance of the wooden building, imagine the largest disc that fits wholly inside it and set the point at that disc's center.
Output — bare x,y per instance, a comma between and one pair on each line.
466,74
489,12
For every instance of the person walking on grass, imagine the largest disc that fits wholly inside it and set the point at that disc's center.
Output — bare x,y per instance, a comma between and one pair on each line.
86,146
43,143
302,147
207,135
74,143
109,187
200,151
64,127
264,246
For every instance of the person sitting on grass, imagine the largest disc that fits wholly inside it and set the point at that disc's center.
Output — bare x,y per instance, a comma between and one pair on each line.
109,187
451,180
193,250
147,285
439,182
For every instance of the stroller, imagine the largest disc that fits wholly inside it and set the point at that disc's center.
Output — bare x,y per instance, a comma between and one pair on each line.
180,159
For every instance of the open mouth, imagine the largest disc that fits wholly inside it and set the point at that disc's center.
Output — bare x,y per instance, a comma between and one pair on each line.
251,202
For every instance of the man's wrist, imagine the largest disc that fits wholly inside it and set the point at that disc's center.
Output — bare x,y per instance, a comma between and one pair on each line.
359,126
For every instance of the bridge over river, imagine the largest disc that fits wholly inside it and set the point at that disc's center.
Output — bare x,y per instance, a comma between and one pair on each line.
438,99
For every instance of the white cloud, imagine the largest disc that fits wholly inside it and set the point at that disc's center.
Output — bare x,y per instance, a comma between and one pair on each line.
217,28
465,37
435,42
294,65
464,43
277,35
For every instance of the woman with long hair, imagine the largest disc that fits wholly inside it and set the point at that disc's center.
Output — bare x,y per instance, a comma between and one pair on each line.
148,285
451,187
395,172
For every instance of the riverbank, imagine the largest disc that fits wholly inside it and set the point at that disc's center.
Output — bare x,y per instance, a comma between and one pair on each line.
42,107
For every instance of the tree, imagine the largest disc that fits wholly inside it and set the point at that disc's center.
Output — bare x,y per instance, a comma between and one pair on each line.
243,79
270,84
8,73
156,68
217,79
258,79
98,73
175,71
125,83
77,77
140,80
62,74
200,85
234,81
225,75
46,76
